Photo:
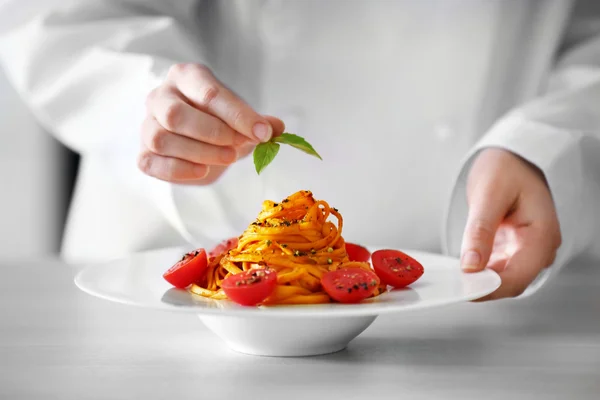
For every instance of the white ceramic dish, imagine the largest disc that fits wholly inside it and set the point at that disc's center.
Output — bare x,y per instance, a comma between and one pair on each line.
281,330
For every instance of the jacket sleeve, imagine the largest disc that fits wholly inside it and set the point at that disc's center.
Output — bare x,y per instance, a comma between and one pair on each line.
559,132
85,68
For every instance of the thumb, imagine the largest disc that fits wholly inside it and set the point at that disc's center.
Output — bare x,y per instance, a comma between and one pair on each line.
277,125
487,209
278,128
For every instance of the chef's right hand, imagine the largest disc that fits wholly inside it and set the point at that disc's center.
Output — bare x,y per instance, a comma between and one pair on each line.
195,127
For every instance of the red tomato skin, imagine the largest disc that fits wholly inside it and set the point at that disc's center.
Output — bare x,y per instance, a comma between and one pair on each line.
190,269
396,268
357,252
350,285
224,247
255,286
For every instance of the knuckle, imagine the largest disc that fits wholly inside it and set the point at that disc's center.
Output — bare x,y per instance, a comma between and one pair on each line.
237,116
168,172
145,126
150,98
200,71
209,91
144,162
156,167
177,70
158,141
481,230
214,134
172,115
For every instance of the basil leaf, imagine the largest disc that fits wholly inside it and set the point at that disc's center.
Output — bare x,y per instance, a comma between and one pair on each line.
264,153
297,142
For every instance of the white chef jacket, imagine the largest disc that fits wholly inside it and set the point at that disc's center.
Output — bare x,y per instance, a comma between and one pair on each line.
397,96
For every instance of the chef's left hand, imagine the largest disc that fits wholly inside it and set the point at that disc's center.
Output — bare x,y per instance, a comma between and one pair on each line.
512,226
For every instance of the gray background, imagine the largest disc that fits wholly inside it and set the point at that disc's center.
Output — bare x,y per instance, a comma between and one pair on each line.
36,173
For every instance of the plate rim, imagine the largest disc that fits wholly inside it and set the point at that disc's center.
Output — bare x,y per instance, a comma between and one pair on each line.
300,311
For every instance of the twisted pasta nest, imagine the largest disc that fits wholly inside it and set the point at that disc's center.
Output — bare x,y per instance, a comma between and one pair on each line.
294,238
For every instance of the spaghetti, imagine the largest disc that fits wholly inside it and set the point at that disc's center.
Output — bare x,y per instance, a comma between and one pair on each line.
294,238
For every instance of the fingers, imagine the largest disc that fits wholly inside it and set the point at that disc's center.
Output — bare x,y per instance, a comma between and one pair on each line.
164,143
524,265
175,115
511,208
170,169
197,127
205,92
278,128
487,209
277,125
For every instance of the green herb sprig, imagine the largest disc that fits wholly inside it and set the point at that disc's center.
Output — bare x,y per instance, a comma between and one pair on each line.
266,152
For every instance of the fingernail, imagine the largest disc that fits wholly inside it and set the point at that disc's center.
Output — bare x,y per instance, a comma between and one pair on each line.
200,171
262,131
471,260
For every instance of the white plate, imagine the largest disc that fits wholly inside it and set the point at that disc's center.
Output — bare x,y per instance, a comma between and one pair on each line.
280,330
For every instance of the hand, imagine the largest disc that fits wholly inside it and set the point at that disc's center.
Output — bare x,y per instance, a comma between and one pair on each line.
512,226
196,127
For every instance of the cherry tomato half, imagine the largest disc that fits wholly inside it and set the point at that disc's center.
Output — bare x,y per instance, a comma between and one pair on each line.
190,269
357,252
224,247
250,287
396,268
350,285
